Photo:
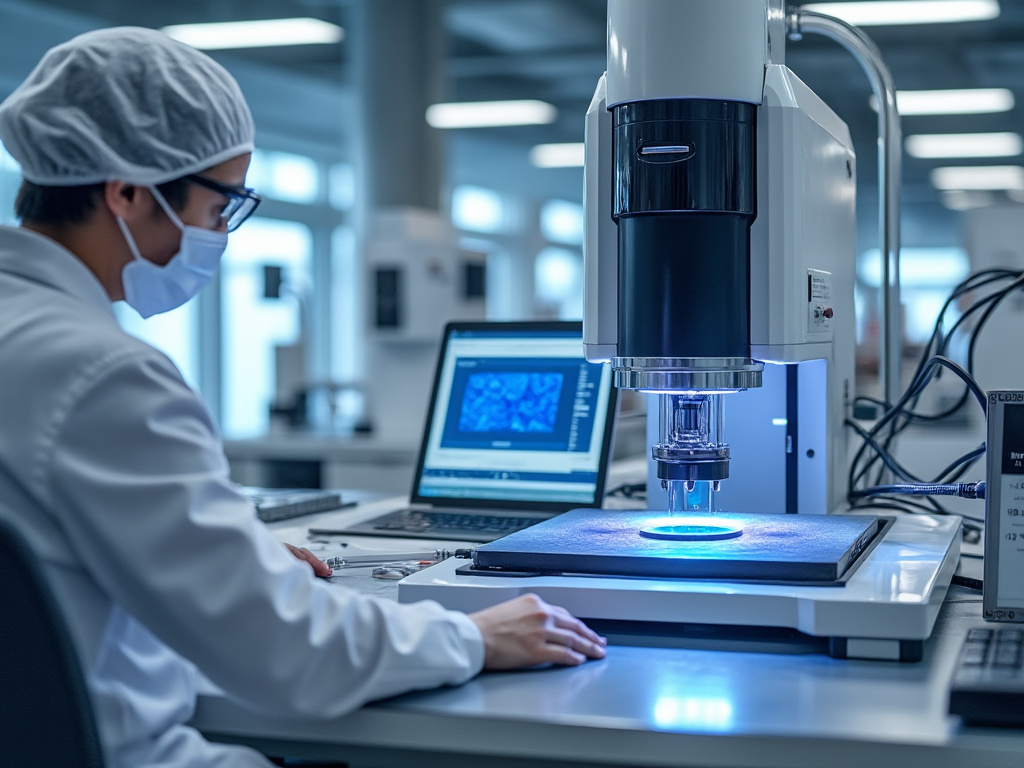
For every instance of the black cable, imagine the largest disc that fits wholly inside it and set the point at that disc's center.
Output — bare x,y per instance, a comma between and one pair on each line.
967,581
961,490
961,465
903,413
993,301
875,450
918,384
897,469
920,381
939,341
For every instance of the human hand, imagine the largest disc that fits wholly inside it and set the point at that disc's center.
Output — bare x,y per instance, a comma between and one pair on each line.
527,631
320,568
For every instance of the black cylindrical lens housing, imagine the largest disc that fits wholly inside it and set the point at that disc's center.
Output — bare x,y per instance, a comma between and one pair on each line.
685,197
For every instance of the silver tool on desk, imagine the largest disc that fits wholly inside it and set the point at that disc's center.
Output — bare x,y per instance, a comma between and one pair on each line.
357,561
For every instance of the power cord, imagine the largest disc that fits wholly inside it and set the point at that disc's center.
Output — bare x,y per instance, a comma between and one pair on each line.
967,581
877,479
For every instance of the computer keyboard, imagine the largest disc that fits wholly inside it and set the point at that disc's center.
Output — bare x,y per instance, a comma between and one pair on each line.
273,504
988,683
462,526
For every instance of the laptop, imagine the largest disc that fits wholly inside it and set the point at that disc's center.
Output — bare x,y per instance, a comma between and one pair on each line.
519,429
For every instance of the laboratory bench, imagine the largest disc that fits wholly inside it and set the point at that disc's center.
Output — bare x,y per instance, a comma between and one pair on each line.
695,702
323,460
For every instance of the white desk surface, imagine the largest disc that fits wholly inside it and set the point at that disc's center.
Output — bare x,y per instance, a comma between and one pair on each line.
646,706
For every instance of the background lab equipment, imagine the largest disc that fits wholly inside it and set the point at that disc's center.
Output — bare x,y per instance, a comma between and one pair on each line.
720,200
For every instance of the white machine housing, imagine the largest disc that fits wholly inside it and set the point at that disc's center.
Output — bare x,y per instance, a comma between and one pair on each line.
802,264
788,440
417,279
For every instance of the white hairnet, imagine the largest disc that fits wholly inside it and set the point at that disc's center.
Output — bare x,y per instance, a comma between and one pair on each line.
124,104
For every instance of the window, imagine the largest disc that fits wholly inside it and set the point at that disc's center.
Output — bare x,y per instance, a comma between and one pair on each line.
10,180
346,329
174,333
284,176
341,191
346,307
927,276
558,269
477,209
562,222
253,326
558,281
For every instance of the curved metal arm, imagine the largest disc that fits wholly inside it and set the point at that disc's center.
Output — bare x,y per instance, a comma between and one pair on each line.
798,22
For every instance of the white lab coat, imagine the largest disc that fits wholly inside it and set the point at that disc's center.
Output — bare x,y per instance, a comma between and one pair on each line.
112,468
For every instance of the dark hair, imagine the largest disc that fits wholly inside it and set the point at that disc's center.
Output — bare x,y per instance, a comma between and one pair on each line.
61,206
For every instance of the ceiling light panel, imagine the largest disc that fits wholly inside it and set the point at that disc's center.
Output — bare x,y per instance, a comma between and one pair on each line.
896,12
490,114
979,177
938,145
557,155
261,33
969,101
962,200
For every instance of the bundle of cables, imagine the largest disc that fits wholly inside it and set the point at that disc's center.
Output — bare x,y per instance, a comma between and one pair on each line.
877,479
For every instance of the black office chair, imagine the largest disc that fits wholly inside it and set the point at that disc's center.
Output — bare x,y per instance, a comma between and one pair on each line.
46,717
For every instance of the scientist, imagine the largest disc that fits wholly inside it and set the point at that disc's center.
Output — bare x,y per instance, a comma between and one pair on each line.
134,150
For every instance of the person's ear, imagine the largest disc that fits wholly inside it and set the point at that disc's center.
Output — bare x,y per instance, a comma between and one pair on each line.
122,199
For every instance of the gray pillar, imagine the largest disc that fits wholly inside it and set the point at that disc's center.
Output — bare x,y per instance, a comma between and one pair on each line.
398,58
398,68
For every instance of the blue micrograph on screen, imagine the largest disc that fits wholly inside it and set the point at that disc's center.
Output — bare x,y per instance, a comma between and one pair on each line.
511,401
521,404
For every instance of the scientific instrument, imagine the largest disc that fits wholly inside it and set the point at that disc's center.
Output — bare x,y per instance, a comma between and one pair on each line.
719,267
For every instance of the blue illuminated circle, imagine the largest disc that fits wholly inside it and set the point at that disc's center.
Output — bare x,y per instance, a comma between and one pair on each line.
692,532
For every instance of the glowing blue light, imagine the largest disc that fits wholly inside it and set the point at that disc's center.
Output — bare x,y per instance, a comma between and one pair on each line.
780,422
690,528
704,713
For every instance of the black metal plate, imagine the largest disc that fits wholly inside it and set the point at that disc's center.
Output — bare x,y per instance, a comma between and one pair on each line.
812,549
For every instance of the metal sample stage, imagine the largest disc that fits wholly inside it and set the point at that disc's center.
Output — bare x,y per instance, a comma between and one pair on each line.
758,548
881,607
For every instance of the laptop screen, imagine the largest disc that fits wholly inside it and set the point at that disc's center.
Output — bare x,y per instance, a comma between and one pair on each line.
518,418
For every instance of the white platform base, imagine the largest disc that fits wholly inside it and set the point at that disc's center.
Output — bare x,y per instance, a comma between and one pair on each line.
891,600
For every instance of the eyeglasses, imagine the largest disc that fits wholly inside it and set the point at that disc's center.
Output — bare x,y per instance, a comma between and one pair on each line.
242,201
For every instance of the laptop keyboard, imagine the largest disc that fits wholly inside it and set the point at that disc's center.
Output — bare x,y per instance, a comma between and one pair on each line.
449,525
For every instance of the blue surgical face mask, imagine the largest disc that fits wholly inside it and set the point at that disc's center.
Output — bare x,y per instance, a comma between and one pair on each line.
151,289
